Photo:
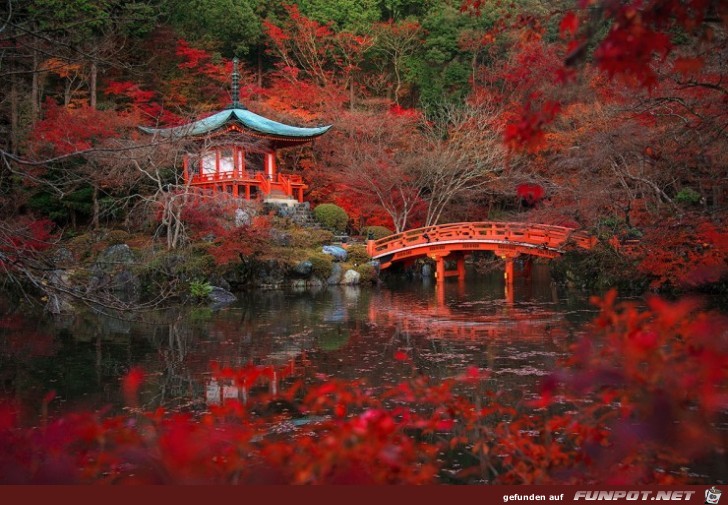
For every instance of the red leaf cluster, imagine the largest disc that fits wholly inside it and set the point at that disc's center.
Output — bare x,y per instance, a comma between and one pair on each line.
527,132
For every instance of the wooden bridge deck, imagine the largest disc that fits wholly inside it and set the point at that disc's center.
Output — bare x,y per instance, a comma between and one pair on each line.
509,239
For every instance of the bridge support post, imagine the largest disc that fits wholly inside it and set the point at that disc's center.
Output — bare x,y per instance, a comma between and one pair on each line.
509,272
461,266
440,270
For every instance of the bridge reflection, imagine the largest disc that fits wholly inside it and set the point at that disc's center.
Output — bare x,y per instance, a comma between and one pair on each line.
442,327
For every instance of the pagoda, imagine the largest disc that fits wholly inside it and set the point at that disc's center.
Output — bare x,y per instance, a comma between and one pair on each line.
235,152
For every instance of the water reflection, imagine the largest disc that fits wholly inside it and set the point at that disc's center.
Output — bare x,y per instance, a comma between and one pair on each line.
342,332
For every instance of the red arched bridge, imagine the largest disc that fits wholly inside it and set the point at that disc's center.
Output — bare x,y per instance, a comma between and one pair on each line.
457,240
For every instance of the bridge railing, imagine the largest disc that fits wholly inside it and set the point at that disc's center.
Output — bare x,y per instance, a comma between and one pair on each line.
537,235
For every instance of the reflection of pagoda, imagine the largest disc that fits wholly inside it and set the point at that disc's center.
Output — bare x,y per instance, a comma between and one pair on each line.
235,151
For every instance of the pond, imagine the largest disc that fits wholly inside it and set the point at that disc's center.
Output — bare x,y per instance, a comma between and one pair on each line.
517,336
341,332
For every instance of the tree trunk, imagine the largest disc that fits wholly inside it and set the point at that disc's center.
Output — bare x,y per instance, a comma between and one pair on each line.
35,89
351,93
260,71
92,84
96,209
14,114
67,93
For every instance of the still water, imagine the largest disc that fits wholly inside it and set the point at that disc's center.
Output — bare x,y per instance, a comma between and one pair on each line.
340,332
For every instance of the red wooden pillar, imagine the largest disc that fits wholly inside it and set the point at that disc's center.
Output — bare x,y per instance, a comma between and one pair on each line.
270,166
247,191
185,169
461,266
508,274
300,195
440,271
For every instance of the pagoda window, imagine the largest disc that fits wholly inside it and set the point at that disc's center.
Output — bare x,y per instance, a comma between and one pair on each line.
209,162
227,160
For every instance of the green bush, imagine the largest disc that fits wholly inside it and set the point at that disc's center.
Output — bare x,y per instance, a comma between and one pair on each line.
308,238
368,273
322,265
357,254
200,289
331,216
688,196
376,231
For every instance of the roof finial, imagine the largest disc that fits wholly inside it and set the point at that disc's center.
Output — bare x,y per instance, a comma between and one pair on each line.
236,85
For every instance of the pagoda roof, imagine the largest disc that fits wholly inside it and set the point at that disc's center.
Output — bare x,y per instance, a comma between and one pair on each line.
241,116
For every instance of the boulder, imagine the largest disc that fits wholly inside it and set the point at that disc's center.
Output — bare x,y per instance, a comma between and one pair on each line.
219,295
63,258
303,269
339,253
126,284
352,277
335,277
117,254
217,280
112,272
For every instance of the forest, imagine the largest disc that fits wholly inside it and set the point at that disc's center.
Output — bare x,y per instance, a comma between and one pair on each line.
606,116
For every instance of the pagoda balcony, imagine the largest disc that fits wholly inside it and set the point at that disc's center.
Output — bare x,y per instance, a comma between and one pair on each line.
251,184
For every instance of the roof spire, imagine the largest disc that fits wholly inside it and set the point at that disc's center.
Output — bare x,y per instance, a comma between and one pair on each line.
236,86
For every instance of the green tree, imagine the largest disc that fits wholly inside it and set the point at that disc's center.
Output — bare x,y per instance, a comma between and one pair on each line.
233,27
351,15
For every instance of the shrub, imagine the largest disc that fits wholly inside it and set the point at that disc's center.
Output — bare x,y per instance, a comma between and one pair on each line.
688,196
331,216
200,289
368,273
357,254
307,238
322,265
114,237
376,231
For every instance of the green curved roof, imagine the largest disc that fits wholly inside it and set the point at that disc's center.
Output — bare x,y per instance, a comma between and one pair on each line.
243,116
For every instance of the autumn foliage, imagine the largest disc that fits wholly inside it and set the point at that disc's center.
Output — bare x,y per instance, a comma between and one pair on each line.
635,403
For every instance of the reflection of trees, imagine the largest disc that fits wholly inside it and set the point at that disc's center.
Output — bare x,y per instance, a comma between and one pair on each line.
344,333
83,361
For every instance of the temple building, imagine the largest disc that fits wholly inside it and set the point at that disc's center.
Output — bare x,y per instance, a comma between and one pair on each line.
234,151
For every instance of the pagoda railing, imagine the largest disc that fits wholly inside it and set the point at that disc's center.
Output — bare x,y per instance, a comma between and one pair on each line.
455,235
289,180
